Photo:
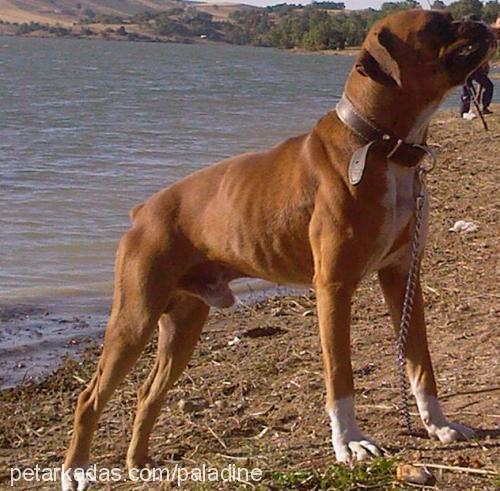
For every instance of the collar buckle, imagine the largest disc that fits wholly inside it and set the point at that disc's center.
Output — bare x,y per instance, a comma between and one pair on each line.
405,154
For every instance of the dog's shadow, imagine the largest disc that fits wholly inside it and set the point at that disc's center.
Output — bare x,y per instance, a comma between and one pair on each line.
491,433
482,434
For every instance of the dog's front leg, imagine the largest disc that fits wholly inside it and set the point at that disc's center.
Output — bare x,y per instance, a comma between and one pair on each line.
334,310
393,282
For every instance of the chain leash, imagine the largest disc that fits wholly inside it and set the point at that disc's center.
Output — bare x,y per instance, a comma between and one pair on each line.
411,285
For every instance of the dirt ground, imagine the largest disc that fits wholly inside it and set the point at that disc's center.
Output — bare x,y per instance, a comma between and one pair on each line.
253,395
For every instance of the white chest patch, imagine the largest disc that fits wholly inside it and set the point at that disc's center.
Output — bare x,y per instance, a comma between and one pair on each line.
399,205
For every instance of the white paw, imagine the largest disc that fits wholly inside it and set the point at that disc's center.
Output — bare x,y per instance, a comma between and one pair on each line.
450,432
436,423
354,447
75,479
349,443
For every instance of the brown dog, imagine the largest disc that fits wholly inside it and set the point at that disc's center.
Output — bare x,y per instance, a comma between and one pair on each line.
292,215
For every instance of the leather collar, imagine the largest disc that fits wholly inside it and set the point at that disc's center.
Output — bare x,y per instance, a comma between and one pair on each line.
395,149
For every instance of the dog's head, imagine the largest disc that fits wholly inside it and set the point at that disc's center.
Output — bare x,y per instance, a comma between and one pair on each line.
425,51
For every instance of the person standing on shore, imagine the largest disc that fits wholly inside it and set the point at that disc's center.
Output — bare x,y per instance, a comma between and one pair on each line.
484,93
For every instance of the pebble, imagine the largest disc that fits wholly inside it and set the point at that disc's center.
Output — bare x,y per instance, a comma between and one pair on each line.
463,227
234,341
191,406
414,475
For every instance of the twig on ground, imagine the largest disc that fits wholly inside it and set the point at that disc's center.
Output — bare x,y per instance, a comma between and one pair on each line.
419,486
465,393
468,470
231,457
217,437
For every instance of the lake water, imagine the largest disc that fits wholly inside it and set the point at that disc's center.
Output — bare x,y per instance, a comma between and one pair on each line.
88,129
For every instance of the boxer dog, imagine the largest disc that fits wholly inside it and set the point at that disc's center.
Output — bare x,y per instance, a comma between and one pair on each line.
304,212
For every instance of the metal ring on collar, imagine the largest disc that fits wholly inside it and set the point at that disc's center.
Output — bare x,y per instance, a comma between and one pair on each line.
431,154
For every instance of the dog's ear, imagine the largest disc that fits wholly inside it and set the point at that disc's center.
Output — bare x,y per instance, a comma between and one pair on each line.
377,62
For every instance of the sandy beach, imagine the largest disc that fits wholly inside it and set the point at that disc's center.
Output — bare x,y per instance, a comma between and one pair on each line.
253,394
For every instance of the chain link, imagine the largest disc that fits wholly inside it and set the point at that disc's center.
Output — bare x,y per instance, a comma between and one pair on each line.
411,285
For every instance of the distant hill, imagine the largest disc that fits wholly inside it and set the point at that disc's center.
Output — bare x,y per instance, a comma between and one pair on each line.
320,25
68,12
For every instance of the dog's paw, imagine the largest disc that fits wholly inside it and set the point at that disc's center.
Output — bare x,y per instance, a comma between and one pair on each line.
75,479
349,444
354,447
140,467
435,422
450,432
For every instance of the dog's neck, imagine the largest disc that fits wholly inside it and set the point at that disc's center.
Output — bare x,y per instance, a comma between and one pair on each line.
391,108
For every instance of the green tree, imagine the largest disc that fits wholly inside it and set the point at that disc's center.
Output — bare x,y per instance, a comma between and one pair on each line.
491,11
354,27
322,33
438,5
89,13
168,27
389,7
465,7
328,5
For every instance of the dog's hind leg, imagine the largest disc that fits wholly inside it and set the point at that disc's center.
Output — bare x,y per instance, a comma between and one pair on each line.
180,330
143,284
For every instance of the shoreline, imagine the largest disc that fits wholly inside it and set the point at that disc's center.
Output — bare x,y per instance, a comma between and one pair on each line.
37,332
134,37
141,36
351,51
138,36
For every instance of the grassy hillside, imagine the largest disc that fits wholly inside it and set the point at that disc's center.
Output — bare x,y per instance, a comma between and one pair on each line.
68,12
148,20
323,25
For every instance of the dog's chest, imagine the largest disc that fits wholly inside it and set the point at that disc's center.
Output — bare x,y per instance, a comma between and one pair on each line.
398,204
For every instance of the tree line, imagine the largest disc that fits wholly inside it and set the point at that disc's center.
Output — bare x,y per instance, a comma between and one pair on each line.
317,26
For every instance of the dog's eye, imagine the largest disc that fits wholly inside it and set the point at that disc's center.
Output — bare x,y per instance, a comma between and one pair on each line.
467,50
